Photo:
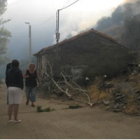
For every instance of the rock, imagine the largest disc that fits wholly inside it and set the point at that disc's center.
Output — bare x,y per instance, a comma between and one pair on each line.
124,107
117,110
116,105
108,108
109,85
138,98
106,102
119,97
118,94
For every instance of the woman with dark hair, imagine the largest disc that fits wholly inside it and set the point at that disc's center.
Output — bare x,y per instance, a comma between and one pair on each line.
14,82
31,78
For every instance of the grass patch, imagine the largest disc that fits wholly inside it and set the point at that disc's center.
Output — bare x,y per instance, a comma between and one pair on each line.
74,107
39,109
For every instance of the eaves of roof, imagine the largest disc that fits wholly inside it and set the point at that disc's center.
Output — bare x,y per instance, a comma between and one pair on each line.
75,37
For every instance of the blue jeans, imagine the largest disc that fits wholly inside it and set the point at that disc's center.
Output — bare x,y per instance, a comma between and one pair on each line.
31,94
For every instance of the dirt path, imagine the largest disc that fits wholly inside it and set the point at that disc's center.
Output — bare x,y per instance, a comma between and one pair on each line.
63,123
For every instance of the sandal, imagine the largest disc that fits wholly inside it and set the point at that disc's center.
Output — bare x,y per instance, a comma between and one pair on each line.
17,121
32,105
10,121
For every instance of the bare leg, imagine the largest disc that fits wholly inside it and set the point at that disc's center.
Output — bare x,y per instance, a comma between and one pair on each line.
10,110
16,106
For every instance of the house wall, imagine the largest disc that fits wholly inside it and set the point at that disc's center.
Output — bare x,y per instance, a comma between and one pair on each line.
42,64
99,54
39,64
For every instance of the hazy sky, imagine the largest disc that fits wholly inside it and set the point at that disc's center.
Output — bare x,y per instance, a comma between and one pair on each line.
82,14
78,17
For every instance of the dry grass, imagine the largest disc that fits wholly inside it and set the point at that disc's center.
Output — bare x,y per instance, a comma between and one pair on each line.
97,95
132,107
128,88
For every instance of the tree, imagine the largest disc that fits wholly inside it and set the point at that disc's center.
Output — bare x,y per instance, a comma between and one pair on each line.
4,33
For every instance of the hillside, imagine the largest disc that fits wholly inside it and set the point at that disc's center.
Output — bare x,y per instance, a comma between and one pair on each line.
121,94
123,25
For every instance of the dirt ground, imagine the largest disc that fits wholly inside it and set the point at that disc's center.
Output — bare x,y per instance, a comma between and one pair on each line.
62,123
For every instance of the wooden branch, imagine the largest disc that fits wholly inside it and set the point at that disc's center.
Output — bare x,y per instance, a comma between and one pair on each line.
51,68
66,92
85,92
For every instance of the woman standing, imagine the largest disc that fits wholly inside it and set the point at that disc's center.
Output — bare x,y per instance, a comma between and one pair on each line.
14,82
31,78
8,67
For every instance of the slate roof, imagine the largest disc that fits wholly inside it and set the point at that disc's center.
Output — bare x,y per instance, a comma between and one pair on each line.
75,37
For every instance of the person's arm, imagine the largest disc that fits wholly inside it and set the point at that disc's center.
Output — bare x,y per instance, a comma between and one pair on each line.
8,66
25,75
6,80
21,80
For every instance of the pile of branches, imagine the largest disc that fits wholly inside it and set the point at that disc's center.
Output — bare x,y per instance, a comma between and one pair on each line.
66,86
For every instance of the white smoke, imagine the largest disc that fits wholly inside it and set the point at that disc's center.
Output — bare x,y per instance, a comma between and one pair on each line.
130,1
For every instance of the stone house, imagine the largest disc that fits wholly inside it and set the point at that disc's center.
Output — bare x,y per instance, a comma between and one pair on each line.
89,53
